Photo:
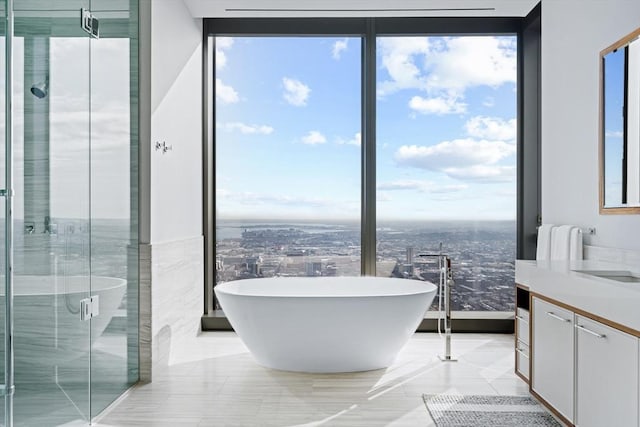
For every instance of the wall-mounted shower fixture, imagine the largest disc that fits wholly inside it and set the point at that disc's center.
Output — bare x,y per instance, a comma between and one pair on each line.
40,89
29,227
163,146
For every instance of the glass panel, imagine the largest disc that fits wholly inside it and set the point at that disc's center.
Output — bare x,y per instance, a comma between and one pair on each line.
287,156
114,181
3,247
446,163
614,71
52,251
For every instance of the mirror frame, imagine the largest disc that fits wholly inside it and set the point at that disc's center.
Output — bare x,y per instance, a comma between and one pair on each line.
618,210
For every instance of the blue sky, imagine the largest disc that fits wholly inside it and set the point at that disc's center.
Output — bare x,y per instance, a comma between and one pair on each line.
613,125
288,128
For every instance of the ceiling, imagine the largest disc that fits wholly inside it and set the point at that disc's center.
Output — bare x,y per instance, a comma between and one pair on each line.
356,8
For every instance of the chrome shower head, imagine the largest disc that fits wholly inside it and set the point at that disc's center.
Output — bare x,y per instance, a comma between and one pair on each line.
40,89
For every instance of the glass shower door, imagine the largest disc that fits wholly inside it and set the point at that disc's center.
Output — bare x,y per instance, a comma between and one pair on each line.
69,224
70,246
51,210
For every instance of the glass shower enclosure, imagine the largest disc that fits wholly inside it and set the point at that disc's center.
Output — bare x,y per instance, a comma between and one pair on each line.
70,137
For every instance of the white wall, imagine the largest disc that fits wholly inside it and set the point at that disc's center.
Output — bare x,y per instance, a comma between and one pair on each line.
171,242
176,118
573,34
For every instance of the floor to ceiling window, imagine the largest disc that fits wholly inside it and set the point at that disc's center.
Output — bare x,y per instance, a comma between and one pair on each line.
287,156
354,146
446,163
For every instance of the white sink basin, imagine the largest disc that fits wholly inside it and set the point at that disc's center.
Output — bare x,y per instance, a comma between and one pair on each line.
619,275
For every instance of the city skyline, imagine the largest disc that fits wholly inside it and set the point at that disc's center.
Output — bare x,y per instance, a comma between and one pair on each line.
482,253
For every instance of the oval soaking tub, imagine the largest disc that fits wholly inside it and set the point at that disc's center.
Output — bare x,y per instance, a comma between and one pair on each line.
326,324
48,331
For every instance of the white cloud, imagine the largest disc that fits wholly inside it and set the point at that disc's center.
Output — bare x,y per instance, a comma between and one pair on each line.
295,92
614,134
483,173
222,44
451,188
226,94
462,62
381,196
273,199
489,101
313,138
444,68
221,59
399,56
221,193
437,105
422,186
510,193
491,128
248,204
403,185
244,128
338,47
454,154
356,140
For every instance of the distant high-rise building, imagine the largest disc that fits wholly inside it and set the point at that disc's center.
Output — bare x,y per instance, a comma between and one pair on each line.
313,268
410,255
253,265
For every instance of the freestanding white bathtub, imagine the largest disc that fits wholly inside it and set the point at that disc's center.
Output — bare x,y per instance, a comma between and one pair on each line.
48,331
326,324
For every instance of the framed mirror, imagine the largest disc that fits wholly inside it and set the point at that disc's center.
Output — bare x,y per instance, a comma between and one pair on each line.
620,126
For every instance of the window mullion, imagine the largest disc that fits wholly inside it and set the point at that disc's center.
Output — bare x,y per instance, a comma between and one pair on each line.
368,197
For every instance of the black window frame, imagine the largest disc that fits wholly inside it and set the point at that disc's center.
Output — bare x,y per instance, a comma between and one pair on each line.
527,31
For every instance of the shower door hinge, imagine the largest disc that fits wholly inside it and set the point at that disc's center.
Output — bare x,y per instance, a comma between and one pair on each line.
89,23
89,307
6,193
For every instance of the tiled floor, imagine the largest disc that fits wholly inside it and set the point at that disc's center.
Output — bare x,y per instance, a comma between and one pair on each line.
215,382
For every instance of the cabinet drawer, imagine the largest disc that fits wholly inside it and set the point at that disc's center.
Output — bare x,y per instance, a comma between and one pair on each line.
522,314
522,359
522,328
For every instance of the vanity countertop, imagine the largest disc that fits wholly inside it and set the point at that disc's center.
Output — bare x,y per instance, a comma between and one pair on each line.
615,301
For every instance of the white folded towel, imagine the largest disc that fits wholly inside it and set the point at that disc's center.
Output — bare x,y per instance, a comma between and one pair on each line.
575,244
543,249
560,237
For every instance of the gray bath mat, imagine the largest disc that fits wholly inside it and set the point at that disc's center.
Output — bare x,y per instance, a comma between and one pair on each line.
449,410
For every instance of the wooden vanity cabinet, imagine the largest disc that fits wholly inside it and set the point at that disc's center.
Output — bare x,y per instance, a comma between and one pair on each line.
552,356
585,371
607,375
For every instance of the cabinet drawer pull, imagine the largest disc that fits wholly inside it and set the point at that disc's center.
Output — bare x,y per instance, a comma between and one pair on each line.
522,319
555,316
589,331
